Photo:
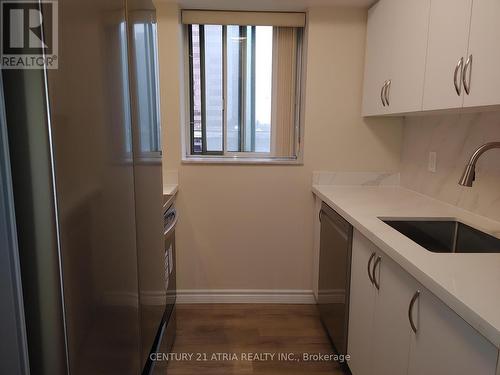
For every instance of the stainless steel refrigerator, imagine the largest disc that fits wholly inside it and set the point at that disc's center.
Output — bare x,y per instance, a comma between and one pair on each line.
85,156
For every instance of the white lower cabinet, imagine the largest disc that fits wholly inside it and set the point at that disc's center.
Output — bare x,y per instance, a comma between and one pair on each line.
381,337
446,344
391,329
361,307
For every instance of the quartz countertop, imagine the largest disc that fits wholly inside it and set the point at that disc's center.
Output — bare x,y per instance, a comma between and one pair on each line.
170,189
468,283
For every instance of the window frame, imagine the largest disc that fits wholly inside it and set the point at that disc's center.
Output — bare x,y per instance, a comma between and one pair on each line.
239,157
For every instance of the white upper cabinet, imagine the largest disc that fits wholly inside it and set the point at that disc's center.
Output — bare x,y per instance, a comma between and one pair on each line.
483,71
431,55
395,56
446,53
378,58
411,21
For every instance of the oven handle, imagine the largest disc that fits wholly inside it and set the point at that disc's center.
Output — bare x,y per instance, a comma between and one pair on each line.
171,226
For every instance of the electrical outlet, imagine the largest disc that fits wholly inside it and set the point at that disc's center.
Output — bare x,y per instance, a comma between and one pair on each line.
432,162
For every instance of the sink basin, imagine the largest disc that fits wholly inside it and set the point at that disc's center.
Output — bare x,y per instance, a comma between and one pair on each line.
446,236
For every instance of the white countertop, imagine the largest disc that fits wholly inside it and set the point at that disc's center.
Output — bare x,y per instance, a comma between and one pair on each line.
468,283
170,189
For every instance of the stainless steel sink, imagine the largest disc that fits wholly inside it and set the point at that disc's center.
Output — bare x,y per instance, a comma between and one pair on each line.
446,236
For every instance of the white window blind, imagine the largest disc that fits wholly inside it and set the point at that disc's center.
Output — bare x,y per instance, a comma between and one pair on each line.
284,89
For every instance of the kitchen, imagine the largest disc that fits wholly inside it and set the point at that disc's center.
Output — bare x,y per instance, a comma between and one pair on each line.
313,199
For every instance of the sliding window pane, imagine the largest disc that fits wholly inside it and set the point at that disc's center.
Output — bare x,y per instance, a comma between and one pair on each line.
263,81
233,55
213,87
197,138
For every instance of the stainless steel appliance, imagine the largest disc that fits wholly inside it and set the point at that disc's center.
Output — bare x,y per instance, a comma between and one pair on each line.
170,221
86,169
13,346
164,331
334,276
148,191
167,330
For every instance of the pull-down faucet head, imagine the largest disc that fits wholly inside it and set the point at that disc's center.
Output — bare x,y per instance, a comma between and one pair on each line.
469,174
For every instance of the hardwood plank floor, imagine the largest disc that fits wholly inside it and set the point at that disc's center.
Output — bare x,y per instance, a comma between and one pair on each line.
237,329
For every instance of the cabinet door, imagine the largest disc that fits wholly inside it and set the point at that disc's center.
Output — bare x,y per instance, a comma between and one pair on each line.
448,40
485,51
391,327
378,56
445,344
361,305
411,24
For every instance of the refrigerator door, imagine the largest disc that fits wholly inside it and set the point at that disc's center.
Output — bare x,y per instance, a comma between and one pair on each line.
93,160
13,344
141,18
36,220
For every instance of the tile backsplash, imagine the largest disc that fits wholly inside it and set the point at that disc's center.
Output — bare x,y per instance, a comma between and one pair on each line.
454,138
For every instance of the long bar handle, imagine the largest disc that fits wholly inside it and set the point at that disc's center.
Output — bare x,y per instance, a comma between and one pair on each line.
467,69
382,93
410,311
375,282
458,81
387,92
369,266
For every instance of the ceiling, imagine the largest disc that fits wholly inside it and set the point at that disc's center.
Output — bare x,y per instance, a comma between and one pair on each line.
269,5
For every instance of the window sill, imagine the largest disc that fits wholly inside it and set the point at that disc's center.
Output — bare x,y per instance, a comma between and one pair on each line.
240,160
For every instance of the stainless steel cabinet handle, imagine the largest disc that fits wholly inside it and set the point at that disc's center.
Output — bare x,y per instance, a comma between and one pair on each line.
387,92
375,282
410,310
382,93
458,81
369,266
320,214
467,71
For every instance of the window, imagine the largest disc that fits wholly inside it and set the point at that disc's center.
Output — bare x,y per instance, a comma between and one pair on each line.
244,85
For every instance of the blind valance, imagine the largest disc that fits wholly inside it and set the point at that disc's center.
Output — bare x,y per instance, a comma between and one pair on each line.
212,17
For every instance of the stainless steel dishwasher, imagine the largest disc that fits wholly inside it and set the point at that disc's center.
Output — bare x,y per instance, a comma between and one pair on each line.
334,276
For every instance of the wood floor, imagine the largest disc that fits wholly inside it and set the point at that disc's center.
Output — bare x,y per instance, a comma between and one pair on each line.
237,329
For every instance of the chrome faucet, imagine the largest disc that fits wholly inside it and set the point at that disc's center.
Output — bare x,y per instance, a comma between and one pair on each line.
470,169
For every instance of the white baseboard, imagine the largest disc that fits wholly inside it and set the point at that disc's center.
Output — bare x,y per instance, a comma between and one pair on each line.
279,296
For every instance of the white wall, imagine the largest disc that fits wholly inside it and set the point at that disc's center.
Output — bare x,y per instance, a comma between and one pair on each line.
454,138
251,227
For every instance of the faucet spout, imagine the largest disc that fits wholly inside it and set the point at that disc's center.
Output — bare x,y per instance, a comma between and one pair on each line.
469,174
